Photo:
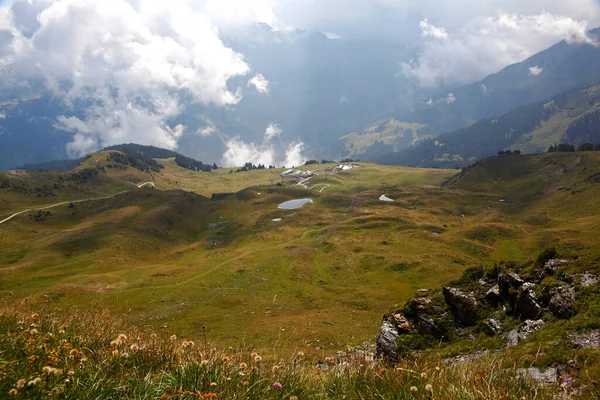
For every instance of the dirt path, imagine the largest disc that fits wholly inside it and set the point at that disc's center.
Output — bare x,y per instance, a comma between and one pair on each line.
151,184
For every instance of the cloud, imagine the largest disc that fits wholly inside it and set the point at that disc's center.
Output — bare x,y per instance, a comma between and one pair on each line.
293,154
239,152
272,131
428,30
260,83
208,129
130,61
489,44
2,115
450,99
535,71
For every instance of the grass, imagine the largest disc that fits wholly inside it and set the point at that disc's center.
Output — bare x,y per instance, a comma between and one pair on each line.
75,354
317,281
390,133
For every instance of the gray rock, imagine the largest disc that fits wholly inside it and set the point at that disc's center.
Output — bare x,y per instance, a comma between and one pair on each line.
508,285
519,334
548,377
492,296
587,279
562,302
527,305
552,265
426,326
386,342
463,306
587,340
492,327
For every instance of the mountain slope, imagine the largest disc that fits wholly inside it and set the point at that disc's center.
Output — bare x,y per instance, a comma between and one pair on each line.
571,117
561,68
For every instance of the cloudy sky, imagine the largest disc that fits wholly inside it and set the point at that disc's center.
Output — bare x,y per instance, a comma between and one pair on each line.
113,53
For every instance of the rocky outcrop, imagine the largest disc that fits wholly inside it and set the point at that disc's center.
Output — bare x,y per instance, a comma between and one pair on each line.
548,377
386,341
492,296
492,327
517,335
527,305
427,326
485,301
561,301
463,306
587,340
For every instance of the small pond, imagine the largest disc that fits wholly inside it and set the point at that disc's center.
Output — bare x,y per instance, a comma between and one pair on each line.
294,204
385,198
276,220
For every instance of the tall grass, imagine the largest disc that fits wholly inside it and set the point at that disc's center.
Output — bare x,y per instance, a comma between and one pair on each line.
90,354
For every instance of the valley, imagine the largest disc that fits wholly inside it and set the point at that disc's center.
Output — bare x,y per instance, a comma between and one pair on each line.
320,279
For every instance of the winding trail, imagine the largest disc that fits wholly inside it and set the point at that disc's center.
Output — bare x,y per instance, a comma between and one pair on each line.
150,184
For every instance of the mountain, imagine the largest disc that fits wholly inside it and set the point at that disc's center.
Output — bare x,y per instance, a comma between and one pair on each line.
572,118
561,68
319,90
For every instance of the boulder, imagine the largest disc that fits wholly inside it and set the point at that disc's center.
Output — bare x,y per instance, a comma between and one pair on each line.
527,305
492,327
386,341
492,296
508,285
426,326
463,306
402,324
562,302
552,265
519,334
548,377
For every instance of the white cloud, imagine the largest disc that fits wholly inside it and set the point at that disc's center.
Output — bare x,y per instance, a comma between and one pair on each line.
208,129
489,44
272,131
260,83
535,71
428,30
239,152
131,60
2,116
293,155
450,99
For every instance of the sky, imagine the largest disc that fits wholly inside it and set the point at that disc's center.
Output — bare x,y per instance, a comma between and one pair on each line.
114,52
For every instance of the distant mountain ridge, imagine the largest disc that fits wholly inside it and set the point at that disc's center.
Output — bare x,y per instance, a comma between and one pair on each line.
559,69
572,118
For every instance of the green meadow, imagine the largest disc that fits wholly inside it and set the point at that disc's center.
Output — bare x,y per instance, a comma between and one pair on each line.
320,279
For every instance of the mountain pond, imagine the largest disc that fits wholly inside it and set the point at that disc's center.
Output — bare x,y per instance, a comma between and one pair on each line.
294,204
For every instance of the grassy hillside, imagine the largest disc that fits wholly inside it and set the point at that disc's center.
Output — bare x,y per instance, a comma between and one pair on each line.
85,354
347,257
316,282
382,137
567,118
